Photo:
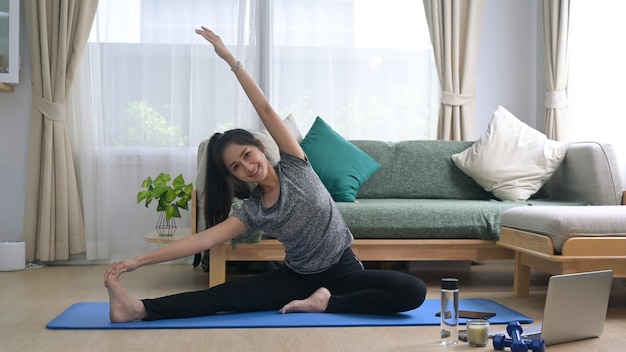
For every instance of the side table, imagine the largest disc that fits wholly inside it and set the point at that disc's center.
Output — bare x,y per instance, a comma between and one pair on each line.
154,237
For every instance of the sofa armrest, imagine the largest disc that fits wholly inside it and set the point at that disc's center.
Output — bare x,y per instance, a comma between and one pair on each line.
589,173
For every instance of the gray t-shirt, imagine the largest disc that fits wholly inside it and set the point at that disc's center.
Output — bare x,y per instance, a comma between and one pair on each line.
305,218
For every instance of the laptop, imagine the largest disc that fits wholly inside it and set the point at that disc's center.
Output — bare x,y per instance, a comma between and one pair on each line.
575,308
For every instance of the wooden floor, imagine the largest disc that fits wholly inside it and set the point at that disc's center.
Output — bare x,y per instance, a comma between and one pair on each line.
31,298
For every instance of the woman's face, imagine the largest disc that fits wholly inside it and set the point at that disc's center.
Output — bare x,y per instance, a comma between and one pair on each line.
246,162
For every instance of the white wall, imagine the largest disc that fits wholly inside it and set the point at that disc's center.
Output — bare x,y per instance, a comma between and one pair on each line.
510,62
14,123
510,74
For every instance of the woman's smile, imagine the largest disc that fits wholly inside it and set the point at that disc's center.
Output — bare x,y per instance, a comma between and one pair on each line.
255,171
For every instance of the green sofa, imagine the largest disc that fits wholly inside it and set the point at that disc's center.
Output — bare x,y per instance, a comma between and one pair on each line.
420,206
420,194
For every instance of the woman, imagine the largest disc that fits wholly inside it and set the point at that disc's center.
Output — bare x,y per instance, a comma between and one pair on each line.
321,274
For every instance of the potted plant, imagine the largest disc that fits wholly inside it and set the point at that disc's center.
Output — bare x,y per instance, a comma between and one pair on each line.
170,198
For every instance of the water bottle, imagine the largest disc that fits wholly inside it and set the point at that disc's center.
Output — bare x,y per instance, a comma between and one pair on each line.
449,311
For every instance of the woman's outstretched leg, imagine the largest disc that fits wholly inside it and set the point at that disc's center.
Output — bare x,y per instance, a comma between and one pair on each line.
272,290
123,307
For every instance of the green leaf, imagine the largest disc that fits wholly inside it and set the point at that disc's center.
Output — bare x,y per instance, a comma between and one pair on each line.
179,182
162,205
170,212
170,196
182,203
159,190
142,195
162,179
147,182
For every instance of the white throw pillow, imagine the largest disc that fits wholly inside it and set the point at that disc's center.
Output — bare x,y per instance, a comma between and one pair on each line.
511,159
290,120
271,148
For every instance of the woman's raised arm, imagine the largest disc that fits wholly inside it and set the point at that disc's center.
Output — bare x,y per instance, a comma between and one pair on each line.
277,128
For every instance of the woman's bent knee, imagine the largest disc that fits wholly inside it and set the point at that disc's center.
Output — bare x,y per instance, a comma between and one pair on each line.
414,294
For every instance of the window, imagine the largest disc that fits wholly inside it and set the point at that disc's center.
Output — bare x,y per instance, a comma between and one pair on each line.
597,73
365,66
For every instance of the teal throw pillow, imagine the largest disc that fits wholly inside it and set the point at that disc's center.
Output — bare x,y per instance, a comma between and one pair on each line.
342,167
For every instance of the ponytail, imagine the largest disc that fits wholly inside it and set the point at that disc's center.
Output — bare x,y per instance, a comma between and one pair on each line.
219,187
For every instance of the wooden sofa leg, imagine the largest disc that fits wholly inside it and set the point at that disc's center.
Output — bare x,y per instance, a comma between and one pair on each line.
217,265
521,278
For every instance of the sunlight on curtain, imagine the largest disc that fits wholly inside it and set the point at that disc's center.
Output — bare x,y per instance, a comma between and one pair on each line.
155,89
598,73
364,66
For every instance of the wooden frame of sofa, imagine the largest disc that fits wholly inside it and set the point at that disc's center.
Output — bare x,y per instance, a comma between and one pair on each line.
579,254
366,249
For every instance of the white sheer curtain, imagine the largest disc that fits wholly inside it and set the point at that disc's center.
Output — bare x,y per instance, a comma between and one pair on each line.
597,74
365,66
151,90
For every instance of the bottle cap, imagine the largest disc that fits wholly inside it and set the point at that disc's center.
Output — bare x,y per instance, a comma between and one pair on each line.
449,283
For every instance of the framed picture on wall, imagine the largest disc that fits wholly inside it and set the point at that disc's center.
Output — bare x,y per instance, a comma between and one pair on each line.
9,41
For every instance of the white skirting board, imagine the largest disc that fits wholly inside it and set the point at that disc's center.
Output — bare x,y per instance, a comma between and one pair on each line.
12,256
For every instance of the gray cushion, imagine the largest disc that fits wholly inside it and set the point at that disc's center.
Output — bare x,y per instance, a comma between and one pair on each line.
563,222
589,173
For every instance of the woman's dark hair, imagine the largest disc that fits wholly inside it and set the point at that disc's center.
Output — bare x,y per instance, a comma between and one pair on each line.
221,185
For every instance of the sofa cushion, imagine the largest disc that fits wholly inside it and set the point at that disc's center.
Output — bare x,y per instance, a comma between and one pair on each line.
418,169
590,172
429,218
424,218
271,148
342,167
561,223
511,159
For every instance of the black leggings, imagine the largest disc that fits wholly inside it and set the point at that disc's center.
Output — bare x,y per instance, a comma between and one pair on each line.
353,290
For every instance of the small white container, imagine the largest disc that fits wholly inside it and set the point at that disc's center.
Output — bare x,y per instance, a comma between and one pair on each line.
12,256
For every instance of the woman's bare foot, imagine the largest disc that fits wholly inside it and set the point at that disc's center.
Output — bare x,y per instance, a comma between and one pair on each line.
315,303
123,307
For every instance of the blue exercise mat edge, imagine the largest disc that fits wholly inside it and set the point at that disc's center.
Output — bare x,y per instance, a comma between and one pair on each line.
95,316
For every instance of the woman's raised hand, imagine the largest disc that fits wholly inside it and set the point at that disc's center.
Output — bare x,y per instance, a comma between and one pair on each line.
214,39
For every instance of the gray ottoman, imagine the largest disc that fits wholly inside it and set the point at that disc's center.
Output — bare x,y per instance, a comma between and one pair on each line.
564,239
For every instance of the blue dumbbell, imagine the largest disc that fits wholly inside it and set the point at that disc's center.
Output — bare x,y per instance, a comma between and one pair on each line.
516,343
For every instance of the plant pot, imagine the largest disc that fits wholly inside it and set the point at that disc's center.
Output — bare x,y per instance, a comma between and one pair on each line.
165,228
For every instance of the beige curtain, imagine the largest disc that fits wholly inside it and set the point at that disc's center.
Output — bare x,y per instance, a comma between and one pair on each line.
53,217
455,33
555,34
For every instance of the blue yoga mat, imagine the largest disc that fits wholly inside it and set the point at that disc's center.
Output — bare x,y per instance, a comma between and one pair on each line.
95,315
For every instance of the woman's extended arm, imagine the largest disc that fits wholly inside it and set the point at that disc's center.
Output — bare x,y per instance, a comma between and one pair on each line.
274,124
189,245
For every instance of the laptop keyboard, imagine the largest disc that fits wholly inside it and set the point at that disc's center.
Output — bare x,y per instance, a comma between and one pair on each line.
531,336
